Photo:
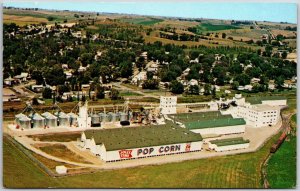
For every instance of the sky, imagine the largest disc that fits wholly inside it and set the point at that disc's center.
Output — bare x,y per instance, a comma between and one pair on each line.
275,12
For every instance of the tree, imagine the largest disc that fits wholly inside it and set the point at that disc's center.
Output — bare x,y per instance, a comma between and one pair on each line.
47,93
194,89
176,87
150,84
284,55
114,94
279,81
35,101
223,35
50,18
243,79
99,92
126,69
207,88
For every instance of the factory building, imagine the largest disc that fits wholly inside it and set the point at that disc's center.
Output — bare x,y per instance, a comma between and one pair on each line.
217,126
131,143
258,115
220,145
168,104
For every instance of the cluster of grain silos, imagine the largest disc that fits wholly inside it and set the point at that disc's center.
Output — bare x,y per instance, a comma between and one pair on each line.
102,117
35,120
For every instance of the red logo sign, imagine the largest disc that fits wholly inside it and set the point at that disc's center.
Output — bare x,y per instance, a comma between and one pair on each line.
188,147
125,154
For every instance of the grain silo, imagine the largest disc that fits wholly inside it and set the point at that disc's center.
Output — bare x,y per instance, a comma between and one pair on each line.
115,117
105,117
18,116
50,120
24,122
38,121
73,119
63,119
95,120
123,116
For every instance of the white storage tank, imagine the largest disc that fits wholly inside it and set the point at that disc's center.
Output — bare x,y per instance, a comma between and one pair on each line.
18,116
95,120
115,117
123,116
38,121
73,119
50,119
105,117
63,119
24,122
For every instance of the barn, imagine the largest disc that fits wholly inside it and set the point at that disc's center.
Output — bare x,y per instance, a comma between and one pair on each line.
140,142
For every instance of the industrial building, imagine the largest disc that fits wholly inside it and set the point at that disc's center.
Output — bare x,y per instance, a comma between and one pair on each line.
168,104
221,145
211,123
140,142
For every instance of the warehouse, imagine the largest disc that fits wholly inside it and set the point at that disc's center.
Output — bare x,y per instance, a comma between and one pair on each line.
217,126
140,142
211,123
221,145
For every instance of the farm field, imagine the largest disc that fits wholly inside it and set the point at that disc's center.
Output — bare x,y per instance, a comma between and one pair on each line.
281,168
237,171
142,21
215,27
23,20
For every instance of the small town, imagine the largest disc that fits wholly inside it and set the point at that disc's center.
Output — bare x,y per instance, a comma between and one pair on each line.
92,95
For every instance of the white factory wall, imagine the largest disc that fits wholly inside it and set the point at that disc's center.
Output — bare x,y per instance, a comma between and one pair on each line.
137,152
168,104
256,118
151,151
221,130
227,147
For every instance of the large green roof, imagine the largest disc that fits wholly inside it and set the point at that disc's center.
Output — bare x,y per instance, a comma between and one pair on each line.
212,123
258,100
199,116
230,141
144,136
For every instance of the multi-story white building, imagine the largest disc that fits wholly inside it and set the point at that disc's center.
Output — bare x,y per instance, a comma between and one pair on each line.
258,115
168,104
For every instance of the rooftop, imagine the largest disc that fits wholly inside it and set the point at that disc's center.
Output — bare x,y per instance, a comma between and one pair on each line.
230,141
212,123
258,100
262,107
199,116
138,137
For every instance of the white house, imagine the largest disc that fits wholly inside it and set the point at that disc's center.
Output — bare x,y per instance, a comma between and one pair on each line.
168,104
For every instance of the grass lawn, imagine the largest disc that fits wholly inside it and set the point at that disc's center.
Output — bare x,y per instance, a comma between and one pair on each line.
129,93
61,151
57,137
237,171
281,168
